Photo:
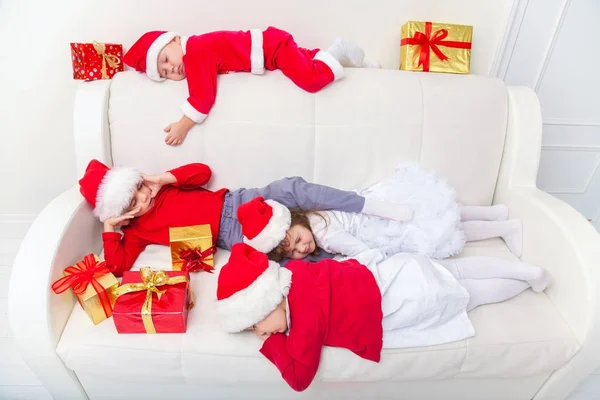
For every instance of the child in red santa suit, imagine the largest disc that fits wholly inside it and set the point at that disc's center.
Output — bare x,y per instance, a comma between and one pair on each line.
200,58
363,304
145,207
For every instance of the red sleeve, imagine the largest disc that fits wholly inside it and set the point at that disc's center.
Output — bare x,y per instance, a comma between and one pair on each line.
297,356
191,176
202,86
121,253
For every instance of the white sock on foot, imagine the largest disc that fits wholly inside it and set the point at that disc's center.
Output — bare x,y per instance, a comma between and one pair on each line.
348,53
514,236
368,63
540,280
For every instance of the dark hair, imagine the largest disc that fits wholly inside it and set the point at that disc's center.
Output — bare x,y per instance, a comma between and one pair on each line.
299,217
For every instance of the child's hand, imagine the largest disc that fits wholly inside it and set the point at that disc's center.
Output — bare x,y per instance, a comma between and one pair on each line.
155,182
261,335
177,131
122,220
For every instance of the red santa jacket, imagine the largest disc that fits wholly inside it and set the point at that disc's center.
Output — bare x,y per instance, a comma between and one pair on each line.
215,53
174,205
331,303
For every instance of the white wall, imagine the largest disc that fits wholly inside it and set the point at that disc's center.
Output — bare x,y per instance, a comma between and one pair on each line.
553,56
36,87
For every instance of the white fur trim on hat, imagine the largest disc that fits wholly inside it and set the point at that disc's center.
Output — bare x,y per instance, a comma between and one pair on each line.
152,55
116,191
254,303
275,231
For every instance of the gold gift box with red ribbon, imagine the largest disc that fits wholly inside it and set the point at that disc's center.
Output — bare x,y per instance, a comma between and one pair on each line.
92,61
436,47
93,284
192,248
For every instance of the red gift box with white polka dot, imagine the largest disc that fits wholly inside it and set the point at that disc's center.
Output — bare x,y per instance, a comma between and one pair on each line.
93,61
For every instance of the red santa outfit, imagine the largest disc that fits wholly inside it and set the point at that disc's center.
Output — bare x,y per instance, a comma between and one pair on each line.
330,303
210,54
109,191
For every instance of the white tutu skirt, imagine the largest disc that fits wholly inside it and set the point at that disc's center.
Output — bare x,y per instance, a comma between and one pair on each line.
435,229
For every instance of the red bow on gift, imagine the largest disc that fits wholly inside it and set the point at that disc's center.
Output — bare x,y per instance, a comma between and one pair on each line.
194,260
81,275
427,42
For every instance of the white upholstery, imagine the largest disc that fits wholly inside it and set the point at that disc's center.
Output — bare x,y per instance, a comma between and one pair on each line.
521,337
365,123
483,136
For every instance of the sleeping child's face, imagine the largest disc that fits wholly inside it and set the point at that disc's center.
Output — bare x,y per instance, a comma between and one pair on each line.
299,242
141,202
170,61
276,322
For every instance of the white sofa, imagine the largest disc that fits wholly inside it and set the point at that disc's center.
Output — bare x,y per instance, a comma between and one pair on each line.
485,137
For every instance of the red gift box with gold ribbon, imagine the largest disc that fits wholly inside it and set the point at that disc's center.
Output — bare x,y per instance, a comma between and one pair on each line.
153,302
92,61
436,47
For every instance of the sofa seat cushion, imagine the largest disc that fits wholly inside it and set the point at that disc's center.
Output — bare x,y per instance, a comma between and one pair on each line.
524,336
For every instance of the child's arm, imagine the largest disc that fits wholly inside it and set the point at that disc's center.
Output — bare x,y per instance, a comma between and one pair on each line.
191,176
121,253
295,192
342,242
331,233
296,356
202,86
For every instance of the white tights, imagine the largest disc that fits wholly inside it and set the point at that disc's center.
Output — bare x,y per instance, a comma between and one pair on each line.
492,280
486,222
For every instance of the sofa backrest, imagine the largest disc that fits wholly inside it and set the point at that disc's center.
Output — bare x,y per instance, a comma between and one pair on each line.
349,135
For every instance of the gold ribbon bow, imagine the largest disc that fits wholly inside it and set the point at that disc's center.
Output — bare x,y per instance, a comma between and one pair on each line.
150,282
111,59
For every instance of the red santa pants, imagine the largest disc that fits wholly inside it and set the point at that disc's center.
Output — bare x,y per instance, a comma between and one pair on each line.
310,70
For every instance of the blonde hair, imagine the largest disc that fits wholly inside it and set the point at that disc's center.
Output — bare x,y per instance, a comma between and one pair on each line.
299,217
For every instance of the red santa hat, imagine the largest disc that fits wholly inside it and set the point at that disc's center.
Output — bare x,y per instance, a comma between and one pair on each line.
249,288
143,55
109,191
264,223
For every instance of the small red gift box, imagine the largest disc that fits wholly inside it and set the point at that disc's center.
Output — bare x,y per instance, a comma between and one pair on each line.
95,60
152,302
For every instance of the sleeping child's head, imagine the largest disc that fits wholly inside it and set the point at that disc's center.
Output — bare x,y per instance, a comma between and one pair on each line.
272,228
251,293
114,192
159,54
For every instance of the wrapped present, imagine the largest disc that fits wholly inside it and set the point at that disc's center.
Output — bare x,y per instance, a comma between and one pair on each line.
93,284
153,302
436,47
95,60
192,248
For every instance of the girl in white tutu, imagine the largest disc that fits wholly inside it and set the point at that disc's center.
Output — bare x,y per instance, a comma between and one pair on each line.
438,229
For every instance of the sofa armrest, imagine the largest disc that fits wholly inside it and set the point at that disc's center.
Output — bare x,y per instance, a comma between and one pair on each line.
64,232
91,131
561,240
556,237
